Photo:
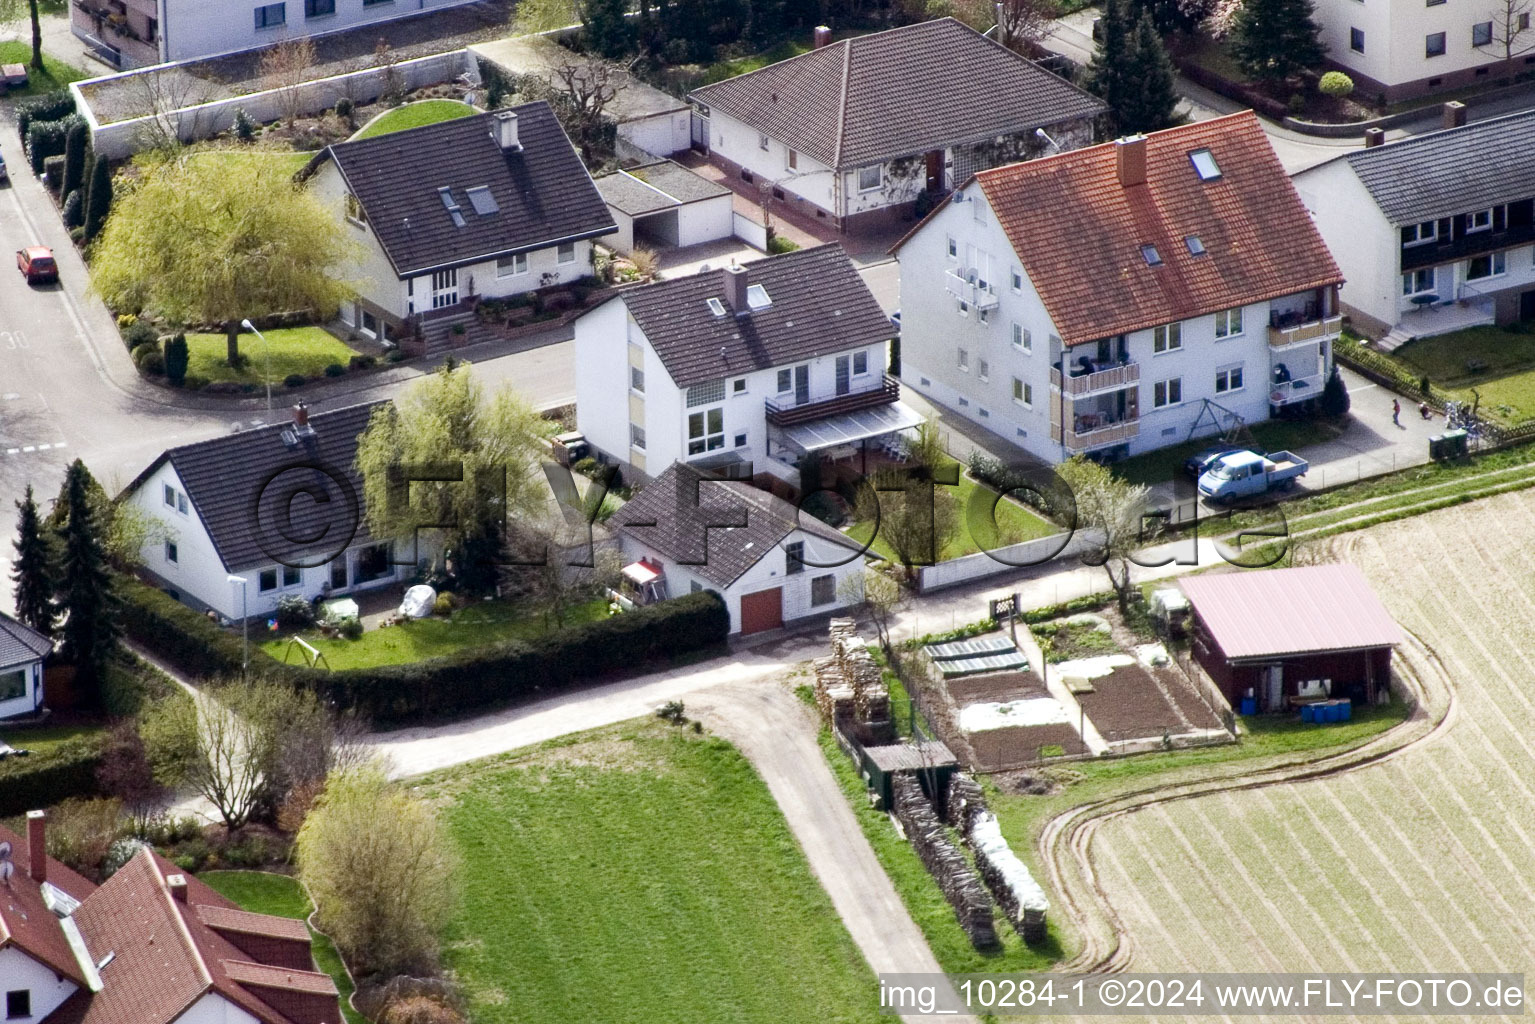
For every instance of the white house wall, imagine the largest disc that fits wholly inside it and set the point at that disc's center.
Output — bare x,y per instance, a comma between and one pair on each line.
706,221
1395,38
27,702
19,971
213,1008
812,181
659,134
1366,246
369,272
198,571
203,28
602,378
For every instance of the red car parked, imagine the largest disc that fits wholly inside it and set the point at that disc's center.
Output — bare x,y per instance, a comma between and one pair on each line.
36,264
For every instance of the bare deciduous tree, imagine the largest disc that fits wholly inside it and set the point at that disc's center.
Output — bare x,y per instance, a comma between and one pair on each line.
1114,508
882,599
1023,24
168,101
589,84
284,70
1511,32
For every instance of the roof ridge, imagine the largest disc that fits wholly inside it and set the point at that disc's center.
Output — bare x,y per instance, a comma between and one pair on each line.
847,73
1408,141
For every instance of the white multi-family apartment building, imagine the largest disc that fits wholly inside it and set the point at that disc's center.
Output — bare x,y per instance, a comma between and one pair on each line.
1124,297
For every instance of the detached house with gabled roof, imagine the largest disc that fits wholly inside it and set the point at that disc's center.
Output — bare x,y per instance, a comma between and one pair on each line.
1436,232
278,506
1124,297
854,131
760,364
22,652
150,945
475,207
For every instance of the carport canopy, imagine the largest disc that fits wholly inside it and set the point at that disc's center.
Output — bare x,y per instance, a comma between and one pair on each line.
852,426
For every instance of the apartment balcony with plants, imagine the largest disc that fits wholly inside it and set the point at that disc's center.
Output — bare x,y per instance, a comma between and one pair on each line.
125,33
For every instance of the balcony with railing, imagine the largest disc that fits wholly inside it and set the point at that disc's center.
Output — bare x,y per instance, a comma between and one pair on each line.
1090,431
970,288
125,32
1290,329
1091,376
787,413
1296,389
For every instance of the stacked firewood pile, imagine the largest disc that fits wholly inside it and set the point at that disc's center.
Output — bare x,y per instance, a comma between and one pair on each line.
849,688
1016,892
944,861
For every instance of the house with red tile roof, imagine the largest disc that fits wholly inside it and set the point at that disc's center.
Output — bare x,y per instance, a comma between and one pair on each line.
853,131
1124,297
150,945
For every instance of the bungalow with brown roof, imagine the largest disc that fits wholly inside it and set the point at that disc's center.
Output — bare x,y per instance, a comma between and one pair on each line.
1124,297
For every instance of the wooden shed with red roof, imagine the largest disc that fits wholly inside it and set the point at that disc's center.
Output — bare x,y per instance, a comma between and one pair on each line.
1307,632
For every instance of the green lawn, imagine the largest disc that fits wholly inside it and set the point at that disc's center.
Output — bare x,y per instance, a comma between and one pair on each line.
414,115
1506,386
261,892
721,70
472,626
46,741
305,350
287,160
55,74
923,899
1165,464
1013,523
639,873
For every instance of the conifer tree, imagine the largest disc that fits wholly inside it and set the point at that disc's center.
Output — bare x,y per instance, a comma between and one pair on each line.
33,569
1275,40
90,627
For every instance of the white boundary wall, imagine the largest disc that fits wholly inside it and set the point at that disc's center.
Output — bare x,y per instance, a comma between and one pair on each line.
121,139
1018,558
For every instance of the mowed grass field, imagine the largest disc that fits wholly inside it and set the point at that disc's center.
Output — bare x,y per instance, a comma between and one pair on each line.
639,873
1422,862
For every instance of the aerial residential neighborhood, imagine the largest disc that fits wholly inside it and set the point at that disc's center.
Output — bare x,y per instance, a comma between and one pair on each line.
529,511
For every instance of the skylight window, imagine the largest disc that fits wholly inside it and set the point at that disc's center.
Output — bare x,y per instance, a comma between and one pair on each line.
716,307
1205,165
1151,256
757,297
483,202
1196,247
451,205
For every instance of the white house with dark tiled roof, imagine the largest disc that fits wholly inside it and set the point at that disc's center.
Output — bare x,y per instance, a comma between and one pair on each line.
761,363
1175,279
22,652
853,131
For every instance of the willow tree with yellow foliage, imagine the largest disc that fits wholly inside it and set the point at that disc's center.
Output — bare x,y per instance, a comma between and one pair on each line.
213,238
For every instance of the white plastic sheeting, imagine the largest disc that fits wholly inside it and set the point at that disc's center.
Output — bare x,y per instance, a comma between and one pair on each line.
419,601
986,838
1012,714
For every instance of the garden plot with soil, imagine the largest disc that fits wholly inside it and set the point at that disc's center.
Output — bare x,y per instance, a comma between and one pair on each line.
1424,860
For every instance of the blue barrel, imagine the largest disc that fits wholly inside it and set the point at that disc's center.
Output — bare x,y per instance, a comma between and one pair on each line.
1308,712
1249,705
1336,710
1345,711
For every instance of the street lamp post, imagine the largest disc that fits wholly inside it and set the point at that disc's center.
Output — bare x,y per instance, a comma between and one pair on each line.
266,347
245,627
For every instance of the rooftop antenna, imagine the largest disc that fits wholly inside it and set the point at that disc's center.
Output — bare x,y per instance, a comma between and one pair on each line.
7,866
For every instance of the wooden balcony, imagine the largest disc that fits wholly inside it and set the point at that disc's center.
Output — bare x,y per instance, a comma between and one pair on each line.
1311,330
1096,437
1111,379
787,414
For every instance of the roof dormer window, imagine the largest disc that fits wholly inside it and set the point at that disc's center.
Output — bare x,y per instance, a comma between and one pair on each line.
757,297
1196,247
1151,256
483,202
716,307
1205,165
451,205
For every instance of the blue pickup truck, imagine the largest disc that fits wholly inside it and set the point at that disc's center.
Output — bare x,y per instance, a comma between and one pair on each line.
1245,474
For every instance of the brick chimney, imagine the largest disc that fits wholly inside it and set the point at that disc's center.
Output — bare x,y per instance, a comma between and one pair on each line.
301,415
1374,137
504,130
1130,160
735,288
177,884
1454,114
822,36
37,845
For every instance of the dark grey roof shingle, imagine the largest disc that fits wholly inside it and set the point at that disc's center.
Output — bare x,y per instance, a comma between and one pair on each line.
716,528
819,305
20,643
899,92
543,190
659,185
1452,171
247,489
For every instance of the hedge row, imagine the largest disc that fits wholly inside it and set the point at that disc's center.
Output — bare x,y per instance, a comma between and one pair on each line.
27,783
442,687
50,106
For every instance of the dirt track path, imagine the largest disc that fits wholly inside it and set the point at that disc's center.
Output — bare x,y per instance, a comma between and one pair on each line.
777,734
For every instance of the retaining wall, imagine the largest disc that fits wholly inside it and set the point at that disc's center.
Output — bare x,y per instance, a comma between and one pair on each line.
1008,559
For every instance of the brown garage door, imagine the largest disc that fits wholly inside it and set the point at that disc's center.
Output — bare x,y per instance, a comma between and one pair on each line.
762,610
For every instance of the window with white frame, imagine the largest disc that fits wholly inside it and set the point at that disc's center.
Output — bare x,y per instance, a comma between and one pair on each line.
1228,378
636,379
1418,282
790,160
953,248
823,590
1017,281
870,178
964,360
1420,234
738,386
706,431
566,252
740,440
636,436
1022,339
511,266
785,381
1167,338
1479,220
354,211
983,369
170,495
1491,265
794,558
860,363
1228,323
181,503
1023,392
706,393
762,142
266,580
172,553
1167,392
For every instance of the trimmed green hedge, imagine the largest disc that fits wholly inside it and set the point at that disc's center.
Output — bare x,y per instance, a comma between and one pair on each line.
441,687
50,106
27,783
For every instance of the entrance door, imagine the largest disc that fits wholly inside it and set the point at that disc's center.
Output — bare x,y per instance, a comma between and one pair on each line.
801,384
444,288
843,377
1527,305
935,171
762,610
1273,687
700,132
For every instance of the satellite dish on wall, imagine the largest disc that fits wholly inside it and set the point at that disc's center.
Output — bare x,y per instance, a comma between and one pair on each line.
7,866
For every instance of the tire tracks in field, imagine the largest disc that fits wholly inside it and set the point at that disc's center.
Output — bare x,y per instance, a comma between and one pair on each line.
1065,844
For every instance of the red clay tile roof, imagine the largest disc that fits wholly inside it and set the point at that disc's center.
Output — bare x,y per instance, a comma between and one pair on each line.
895,93
309,982
1079,233
26,922
225,919
1277,612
